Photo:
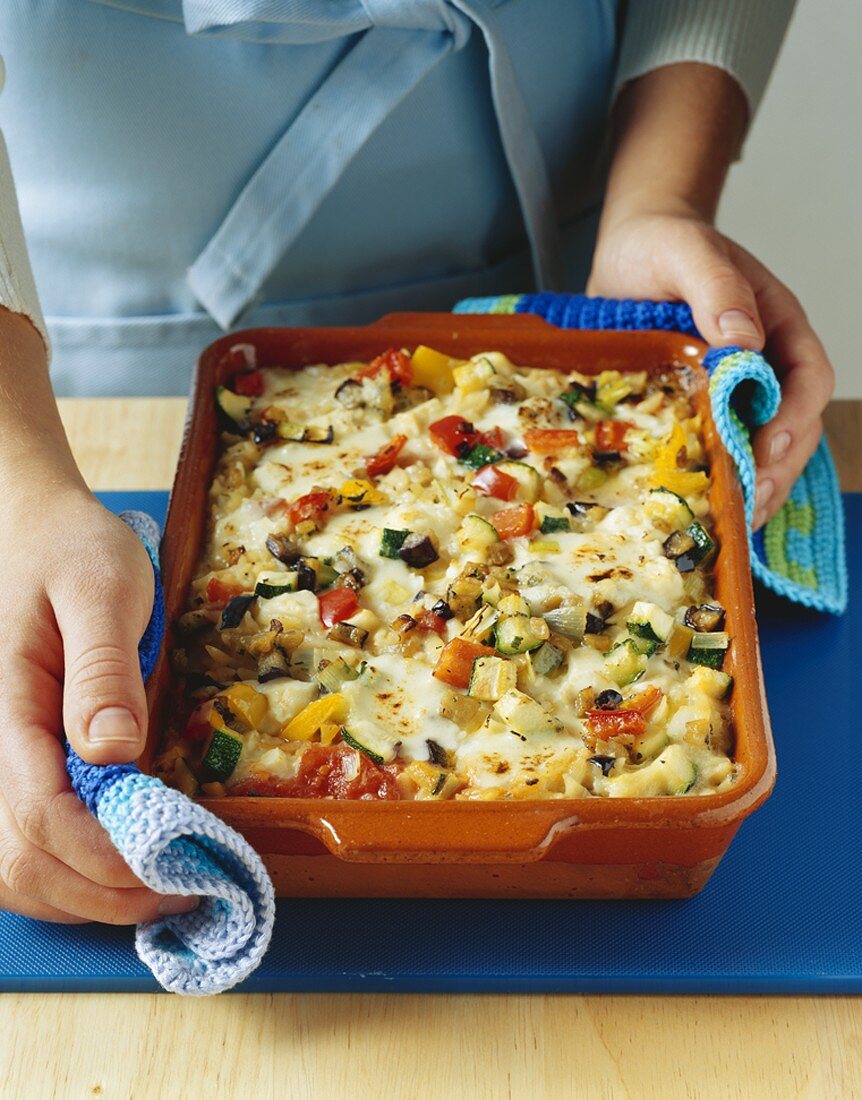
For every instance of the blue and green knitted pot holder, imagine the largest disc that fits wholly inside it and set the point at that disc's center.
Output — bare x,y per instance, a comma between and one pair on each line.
800,553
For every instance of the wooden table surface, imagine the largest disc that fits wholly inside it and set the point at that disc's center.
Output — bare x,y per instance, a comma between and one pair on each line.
418,1047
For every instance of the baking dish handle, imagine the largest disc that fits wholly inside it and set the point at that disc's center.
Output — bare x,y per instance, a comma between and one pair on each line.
371,833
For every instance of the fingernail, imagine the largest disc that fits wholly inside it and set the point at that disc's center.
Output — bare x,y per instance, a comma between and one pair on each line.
733,322
779,448
173,905
762,496
113,724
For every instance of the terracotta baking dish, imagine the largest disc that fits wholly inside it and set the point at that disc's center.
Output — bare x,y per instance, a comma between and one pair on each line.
644,847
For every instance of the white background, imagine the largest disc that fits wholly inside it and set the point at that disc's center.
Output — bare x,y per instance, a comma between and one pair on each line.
794,199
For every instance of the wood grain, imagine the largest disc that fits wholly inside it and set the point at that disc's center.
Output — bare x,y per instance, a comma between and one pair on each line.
313,1047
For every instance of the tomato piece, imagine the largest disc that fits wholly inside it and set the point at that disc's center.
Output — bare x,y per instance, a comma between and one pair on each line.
494,483
328,771
511,523
311,507
611,435
336,605
428,621
455,663
249,384
384,460
643,702
492,438
219,591
604,724
395,361
454,435
550,441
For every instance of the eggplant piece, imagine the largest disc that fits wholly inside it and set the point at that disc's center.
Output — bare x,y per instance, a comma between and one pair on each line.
678,544
234,610
347,561
607,459
437,754
443,610
354,579
705,619
510,394
349,634
594,625
273,666
264,432
418,551
350,394
517,451
608,700
404,624
283,548
605,608
306,576
606,763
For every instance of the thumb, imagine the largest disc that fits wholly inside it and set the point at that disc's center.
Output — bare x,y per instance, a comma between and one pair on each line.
104,706
721,298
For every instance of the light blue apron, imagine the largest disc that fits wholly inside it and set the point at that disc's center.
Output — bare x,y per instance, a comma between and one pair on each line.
186,166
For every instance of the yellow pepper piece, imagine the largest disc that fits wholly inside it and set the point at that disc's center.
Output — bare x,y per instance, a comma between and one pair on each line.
666,472
247,704
303,726
359,493
328,732
433,369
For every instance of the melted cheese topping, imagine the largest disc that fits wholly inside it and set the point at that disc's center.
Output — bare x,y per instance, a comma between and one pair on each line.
556,712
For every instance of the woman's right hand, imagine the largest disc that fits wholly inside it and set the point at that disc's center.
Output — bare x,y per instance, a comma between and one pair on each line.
76,596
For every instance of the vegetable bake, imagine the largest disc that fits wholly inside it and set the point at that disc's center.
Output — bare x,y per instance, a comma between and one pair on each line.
426,578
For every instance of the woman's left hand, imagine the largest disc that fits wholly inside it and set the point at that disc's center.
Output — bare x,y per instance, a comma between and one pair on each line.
734,300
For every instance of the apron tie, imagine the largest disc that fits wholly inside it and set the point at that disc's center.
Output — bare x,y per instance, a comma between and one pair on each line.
398,42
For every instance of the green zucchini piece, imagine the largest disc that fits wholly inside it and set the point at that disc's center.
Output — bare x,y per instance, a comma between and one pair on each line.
669,507
271,585
355,743
551,520
479,455
233,409
222,753
625,663
514,634
326,574
546,659
528,478
477,533
703,544
391,542
649,623
709,649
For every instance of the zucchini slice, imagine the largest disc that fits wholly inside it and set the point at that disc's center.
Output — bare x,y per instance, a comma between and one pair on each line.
477,533
551,520
709,649
625,663
546,659
391,542
668,508
354,742
648,623
528,478
703,544
271,585
222,753
514,634
233,409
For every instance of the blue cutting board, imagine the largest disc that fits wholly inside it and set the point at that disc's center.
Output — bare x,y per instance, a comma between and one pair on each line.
780,915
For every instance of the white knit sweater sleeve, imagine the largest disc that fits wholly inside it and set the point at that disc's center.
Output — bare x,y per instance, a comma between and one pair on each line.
742,37
17,287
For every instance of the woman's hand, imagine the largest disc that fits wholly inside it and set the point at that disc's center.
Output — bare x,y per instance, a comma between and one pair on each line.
734,300
76,597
